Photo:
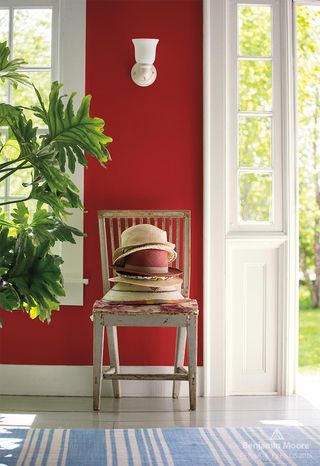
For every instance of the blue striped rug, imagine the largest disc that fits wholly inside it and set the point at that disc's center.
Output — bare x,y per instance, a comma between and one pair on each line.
181,447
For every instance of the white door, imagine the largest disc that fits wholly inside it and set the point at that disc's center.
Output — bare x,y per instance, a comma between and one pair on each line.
250,198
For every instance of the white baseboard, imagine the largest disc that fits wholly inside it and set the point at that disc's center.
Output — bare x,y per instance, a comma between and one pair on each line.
77,381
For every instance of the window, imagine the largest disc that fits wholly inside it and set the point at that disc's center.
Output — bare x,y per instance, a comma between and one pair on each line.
255,162
50,36
28,32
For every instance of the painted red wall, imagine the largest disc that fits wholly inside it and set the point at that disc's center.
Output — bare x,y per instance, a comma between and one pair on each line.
157,164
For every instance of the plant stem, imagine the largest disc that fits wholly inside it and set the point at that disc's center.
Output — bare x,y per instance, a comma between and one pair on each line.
18,168
12,170
14,201
6,164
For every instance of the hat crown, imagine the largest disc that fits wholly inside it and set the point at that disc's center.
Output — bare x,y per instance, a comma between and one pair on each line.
147,261
144,233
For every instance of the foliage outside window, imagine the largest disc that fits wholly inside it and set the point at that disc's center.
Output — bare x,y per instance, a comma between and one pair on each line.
255,105
29,31
308,147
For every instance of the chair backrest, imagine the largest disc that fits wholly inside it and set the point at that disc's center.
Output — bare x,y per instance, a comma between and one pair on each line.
177,223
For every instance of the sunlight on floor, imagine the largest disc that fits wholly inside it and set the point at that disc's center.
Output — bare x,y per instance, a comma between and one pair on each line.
282,422
308,386
25,420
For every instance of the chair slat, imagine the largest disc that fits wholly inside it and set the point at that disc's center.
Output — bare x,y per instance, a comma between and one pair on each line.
141,220
133,221
163,223
111,229
104,255
186,256
178,241
126,223
170,230
156,221
148,220
119,230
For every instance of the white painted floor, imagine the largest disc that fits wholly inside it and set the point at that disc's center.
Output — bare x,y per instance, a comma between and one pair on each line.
75,412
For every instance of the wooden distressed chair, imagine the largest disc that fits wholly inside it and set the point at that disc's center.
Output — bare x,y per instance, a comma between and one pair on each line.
183,316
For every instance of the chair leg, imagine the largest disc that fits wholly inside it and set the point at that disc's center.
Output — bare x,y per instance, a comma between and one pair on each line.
114,358
181,335
192,360
98,340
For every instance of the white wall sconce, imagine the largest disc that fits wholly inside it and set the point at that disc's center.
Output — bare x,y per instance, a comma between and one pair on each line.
143,73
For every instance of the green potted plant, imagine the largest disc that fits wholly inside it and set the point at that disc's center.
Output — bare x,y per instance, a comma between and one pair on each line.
30,273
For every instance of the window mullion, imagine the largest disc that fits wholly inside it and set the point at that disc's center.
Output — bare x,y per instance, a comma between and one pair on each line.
254,57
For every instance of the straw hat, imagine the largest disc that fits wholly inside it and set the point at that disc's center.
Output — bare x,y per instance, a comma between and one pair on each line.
147,262
140,237
121,292
142,266
169,284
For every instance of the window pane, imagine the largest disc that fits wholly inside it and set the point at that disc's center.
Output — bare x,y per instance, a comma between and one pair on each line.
255,197
254,30
4,25
32,36
255,142
26,96
255,85
3,133
3,92
16,180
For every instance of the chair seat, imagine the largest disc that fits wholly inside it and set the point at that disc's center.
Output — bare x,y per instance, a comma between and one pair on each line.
188,307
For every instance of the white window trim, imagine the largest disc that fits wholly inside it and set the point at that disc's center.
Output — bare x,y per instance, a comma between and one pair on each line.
216,150
214,175
72,46
68,67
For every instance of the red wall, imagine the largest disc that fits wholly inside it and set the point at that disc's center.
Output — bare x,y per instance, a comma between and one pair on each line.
157,164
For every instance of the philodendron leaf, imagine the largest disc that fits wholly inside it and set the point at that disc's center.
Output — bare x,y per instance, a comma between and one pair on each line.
7,244
20,214
9,298
8,114
58,203
45,227
9,68
71,133
36,275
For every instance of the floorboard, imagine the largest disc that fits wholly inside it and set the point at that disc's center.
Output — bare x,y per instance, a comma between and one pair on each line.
76,412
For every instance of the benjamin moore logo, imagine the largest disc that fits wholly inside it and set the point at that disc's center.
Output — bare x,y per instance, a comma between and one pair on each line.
277,435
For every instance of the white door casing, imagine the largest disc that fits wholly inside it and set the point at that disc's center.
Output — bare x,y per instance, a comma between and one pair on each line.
250,295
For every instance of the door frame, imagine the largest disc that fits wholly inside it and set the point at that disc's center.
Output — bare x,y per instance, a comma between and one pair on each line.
215,138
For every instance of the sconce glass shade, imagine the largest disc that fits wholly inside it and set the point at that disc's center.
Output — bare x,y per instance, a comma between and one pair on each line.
143,72
145,50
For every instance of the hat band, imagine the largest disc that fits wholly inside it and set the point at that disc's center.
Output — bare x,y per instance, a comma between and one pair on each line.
142,269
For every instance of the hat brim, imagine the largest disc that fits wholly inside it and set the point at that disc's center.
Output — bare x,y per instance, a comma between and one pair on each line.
171,281
143,297
147,285
124,252
172,272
